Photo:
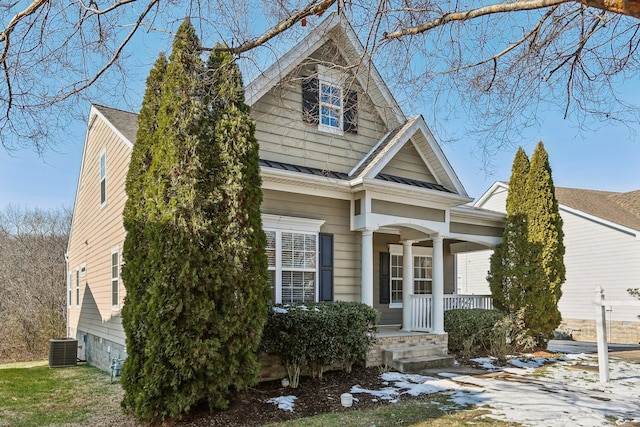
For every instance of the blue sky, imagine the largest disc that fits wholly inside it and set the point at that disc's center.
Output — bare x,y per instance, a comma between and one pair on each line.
607,158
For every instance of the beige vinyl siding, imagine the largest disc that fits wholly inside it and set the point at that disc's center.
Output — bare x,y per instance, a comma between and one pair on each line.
346,243
285,137
406,211
96,231
407,163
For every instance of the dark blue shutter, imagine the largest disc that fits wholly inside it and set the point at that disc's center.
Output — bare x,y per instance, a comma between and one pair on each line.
310,101
350,115
326,267
385,278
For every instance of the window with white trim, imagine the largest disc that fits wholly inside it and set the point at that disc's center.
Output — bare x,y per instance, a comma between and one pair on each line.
330,106
396,279
115,279
292,253
69,290
422,272
331,101
103,178
78,286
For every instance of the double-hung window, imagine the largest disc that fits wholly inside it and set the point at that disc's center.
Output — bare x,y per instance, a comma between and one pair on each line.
422,272
78,286
69,290
103,178
330,106
292,252
115,279
331,100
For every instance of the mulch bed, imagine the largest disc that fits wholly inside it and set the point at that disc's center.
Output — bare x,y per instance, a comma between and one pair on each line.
314,397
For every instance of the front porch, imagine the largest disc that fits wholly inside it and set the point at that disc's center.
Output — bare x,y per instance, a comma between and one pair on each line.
419,347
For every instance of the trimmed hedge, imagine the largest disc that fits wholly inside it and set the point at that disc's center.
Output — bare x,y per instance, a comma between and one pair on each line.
311,336
471,330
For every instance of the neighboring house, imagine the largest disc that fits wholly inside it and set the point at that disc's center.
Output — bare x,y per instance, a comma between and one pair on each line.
602,242
358,199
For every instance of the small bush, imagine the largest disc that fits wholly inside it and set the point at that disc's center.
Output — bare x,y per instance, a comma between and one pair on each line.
470,331
312,336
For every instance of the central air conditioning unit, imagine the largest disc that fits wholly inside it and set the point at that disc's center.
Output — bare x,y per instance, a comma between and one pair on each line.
63,352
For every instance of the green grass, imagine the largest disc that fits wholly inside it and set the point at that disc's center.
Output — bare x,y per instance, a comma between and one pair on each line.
430,411
38,396
32,395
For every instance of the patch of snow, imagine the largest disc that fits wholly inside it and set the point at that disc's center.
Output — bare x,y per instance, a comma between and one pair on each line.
387,393
485,362
280,310
284,402
564,391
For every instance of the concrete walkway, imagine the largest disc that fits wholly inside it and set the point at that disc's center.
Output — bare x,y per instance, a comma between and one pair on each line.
619,351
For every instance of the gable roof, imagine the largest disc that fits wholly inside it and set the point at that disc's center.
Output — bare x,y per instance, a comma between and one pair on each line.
619,208
414,129
122,122
607,207
333,27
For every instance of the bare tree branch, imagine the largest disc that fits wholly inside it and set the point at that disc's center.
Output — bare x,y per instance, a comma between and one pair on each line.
467,15
312,8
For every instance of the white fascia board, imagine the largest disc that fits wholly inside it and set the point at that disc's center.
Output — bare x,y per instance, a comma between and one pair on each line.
92,118
369,154
313,185
400,193
601,221
112,127
476,214
487,194
282,222
371,71
437,150
394,146
259,86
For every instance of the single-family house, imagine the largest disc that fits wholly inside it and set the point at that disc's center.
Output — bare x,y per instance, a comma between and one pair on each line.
359,200
602,242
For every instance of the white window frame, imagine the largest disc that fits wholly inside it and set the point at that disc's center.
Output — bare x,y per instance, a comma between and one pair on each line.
114,280
78,286
102,172
83,269
69,289
279,224
333,79
397,252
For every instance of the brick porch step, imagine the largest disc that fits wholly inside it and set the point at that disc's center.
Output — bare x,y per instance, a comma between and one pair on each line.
417,357
417,364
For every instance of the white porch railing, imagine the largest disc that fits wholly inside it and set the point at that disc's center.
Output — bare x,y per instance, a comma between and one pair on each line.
422,307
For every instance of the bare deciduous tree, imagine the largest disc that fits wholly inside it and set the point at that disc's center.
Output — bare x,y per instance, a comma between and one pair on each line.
32,281
500,60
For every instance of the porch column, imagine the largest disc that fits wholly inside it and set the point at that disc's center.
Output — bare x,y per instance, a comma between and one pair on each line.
366,273
438,285
407,284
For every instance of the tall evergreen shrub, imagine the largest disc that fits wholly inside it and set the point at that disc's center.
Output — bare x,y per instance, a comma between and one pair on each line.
202,302
517,275
545,230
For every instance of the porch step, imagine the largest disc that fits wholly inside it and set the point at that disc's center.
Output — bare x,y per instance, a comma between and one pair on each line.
417,364
417,357
395,353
